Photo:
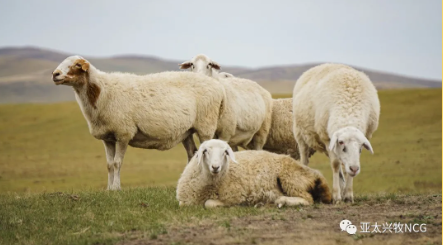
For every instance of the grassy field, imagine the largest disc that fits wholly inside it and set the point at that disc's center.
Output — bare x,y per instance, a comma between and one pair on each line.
52,173
47,147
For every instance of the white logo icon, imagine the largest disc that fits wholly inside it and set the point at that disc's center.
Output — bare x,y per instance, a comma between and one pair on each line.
345,223
351,229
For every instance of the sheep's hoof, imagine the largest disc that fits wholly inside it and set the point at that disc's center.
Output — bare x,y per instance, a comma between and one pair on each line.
337,201
348,199
280,205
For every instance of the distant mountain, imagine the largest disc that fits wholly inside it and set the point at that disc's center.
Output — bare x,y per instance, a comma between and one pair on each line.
25,74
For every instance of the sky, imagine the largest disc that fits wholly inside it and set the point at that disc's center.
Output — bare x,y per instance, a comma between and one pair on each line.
398,36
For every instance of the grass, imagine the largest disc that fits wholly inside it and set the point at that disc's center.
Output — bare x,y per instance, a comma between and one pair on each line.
47,147
52,173
98,216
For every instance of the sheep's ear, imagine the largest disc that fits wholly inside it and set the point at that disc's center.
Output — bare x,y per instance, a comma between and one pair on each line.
215,65
231,154
185,65
368,146
85,66
200,154
333,142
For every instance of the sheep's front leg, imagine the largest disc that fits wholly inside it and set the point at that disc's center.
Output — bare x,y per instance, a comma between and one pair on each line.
348,193
290,201
304,152
110,154
190,146
213,204
120,150
335,164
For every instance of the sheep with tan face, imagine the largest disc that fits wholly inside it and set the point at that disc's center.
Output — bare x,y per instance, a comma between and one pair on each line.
217,176
336,111
250,104
156,111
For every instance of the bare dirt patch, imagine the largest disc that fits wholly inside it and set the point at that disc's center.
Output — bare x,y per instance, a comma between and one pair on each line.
317,224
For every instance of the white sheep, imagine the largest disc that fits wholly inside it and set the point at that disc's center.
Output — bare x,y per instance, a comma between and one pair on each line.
216,176
250,103
155,111
281,137
224,75
336,111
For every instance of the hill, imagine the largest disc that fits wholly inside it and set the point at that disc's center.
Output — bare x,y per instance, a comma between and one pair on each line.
25,74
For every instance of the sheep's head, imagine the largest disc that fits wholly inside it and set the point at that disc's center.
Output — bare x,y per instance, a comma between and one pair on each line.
346,144
72,71
201,64
214,156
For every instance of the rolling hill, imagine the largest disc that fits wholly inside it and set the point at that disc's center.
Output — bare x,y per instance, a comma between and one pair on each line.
25,74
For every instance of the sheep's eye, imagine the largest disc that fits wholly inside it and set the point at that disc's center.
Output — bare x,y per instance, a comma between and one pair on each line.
78,65
344,149
205,151
226,152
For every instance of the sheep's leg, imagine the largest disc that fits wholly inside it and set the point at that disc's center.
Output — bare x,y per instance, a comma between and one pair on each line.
234,148
342,178
213,204
110,154
290,201
120,150
304,152
335,164
190,146
348,193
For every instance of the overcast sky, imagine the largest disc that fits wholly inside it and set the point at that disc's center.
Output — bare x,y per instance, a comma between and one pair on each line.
398,36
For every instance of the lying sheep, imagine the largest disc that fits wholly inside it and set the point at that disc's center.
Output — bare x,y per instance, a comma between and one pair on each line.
155,111
336,111
250,104
216,176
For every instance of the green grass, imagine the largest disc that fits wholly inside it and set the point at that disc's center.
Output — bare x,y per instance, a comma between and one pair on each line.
52,173
99,216
47,147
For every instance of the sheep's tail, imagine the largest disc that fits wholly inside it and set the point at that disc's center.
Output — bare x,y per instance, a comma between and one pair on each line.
321,192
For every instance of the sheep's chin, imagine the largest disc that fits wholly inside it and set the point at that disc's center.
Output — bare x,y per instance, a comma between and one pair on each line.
214,173
58,82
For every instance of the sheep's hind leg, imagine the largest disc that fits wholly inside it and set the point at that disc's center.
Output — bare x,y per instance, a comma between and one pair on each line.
213,204
290,201
190,146
120,150
110,154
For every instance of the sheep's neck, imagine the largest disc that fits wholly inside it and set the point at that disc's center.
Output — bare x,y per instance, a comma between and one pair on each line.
88,92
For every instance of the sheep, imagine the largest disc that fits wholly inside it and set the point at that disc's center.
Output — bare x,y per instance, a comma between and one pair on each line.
281,138
250,103
216,176
155,111
335,110
224,75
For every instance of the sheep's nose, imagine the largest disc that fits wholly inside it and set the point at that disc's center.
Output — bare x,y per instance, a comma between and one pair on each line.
215,168
55,74
354,168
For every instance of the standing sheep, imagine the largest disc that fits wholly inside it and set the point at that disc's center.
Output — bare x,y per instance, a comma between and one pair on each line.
155,111
217,176
336,111
281,137
250,104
